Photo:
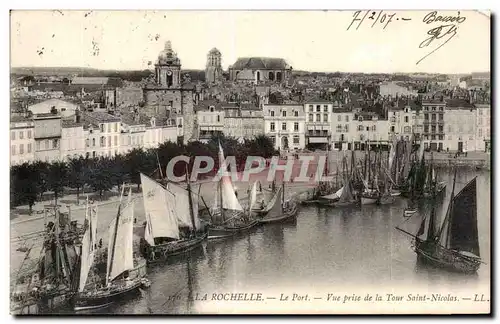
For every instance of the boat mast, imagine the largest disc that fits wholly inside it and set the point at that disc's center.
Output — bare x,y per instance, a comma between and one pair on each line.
448,212
191,213
111,257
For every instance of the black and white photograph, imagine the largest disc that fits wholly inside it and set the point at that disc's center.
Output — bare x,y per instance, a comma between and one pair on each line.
235,162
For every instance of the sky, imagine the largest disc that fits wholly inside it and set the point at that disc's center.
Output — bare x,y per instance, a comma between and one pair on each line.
308,40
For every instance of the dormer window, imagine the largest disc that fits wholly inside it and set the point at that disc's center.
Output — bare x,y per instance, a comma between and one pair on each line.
360,118
212,108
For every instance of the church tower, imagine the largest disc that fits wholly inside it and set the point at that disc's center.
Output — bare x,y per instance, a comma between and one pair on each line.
213,70
168,68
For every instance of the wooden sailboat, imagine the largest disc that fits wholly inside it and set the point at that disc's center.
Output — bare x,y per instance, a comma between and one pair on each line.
227,216
386,196
281,210
123,273
455,245
370,195
433,187
172,223
323,190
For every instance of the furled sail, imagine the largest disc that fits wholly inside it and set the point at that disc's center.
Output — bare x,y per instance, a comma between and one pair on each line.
120,251
253,196
159,206
273,201
275,205
462,221
88,245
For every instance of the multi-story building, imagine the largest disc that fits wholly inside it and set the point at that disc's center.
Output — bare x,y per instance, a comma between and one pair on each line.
483,126
370,129
22,142
285,124
434,123
102,134
460,123
209,119
47,135
318,123
404,120
243,121
343,130
72,137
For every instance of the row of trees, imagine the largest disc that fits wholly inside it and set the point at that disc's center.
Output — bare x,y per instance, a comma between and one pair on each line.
30,180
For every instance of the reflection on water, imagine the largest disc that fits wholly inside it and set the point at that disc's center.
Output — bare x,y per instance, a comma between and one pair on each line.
326,247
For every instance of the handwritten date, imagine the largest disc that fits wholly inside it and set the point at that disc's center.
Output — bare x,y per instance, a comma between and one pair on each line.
381,18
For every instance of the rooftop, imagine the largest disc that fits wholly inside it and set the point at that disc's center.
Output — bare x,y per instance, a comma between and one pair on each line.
101,116
260,63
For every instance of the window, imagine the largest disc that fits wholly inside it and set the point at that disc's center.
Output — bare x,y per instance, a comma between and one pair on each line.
407,129
296,127
283,126
29,148
480,111
480,132
426,116
12,135
318,117
318,108
21,135
360,118
360,128
441,117
55,143
311,132
21,149
325,118
441,137
433,129
296,114
272,113
433,108
441,108
116,140
339,118
284,113
296,140
406,119
374,128
102,127
87,142
13,149
103,141
440,128
346,128
272,127
218,118
346,118
93,154
433,117
325,108
426,129
393,129
93,142
339,128
109,141
311,116
29,134
311,107
38,146
433,137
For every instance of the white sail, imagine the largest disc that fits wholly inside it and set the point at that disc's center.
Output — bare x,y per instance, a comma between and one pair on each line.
121,249
274,200
158,206
88,246
392,154
229,199
253,196
182,206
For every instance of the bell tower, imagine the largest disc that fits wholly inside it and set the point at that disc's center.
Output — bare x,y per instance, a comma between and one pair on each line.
213,70
168,68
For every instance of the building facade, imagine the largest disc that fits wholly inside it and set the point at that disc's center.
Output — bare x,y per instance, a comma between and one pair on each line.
102,134
209,119
433,135
243,121
260,69
370,129
318,124
47,135
483,127
22,142
285,125
343,131
460,123
72,137
405,120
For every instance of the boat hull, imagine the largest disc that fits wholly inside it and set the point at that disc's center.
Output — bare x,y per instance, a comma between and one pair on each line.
220,232
409,212
366,200
446,259
288,215
396,193
160,253
386,200
104,298
42,304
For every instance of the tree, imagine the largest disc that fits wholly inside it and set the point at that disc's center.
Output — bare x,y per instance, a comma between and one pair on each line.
100,177
137,161
23,188
57,178
41,177
78,174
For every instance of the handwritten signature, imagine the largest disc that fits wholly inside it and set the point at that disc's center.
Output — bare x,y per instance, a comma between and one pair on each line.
381,17
440,32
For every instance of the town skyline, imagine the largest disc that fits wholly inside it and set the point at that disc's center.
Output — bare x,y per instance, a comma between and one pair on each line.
103,40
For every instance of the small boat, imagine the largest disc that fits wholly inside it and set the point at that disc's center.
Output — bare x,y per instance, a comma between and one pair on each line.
228,218
124,275
409,212
281,210
172,223
455,245
395,193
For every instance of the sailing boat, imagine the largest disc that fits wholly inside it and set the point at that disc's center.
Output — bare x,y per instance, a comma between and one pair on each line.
123,273
386,196
455,245
324,189
168,210
433,187
280,210
227,216
370,194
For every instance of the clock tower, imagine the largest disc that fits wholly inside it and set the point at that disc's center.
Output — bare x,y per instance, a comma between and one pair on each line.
168,68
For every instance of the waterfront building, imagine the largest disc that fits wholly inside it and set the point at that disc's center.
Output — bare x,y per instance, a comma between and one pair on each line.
318,124
460,125
285,125
483,127
22,142
102,134
242,121
433,135
72,137
47,136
